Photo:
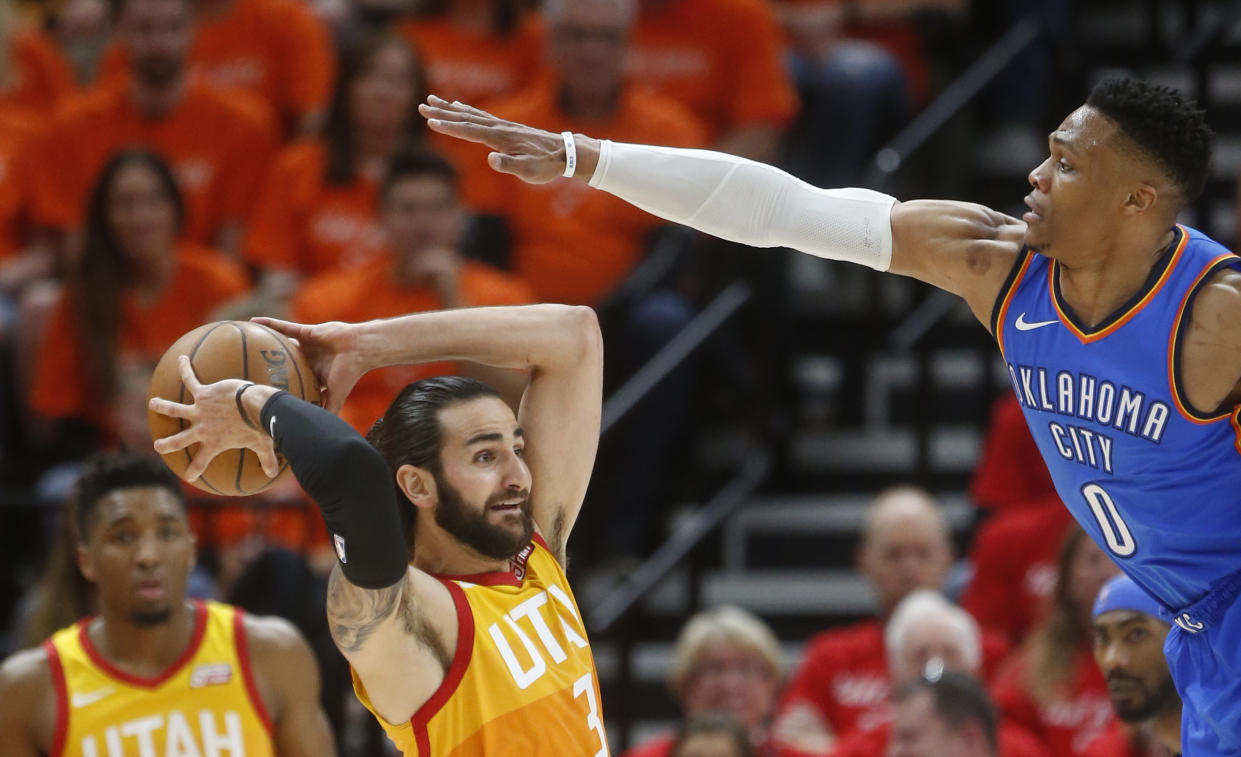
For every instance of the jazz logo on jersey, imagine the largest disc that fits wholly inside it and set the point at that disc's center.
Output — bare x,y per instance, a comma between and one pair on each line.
528,615
170,735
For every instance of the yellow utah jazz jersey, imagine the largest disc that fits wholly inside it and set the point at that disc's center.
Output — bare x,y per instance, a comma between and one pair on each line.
205,704
522,679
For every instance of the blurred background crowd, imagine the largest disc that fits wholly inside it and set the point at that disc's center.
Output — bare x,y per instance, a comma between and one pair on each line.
813,486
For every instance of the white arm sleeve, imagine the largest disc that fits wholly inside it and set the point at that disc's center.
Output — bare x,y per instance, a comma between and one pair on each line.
748,202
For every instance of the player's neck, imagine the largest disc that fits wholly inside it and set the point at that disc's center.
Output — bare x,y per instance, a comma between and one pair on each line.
157,102
1100,283
143,651
1166,728
439,554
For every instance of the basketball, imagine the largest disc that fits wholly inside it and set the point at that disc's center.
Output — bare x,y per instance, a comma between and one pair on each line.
229,350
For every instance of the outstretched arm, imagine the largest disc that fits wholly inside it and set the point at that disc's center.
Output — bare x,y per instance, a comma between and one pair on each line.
559,345
963,248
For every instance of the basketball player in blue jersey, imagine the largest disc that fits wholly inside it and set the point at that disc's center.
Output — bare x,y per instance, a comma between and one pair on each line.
1120,328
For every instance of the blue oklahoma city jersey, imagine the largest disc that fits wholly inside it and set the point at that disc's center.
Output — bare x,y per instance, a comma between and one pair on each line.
1154,481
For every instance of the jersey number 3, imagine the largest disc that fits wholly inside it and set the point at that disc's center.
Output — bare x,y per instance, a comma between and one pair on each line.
1119,540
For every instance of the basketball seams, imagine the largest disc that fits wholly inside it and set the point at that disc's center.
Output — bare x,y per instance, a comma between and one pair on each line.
189,457
245,374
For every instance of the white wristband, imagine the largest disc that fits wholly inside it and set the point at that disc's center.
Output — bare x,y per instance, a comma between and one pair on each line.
570,154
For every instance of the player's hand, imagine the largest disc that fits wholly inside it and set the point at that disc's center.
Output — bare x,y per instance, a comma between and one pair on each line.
332,350
530,154
215,423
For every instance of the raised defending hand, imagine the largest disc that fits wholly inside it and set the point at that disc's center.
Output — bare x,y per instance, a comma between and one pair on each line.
332,349
532,155
215,423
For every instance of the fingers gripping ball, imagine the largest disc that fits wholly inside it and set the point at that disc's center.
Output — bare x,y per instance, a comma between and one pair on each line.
228,350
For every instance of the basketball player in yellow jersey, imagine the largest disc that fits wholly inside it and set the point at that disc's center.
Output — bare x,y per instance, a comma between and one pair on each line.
155,674
449,598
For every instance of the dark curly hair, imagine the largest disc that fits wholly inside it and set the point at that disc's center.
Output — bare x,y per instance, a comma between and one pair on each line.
1162,123
106,473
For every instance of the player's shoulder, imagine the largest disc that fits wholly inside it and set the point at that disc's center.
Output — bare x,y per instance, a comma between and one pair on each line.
1220,297
26,678
269,634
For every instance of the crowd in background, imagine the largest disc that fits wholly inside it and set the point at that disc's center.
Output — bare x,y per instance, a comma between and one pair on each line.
164,163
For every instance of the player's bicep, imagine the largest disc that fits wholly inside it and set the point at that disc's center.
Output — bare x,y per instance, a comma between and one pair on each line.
399,639
560,415
28,713
962,248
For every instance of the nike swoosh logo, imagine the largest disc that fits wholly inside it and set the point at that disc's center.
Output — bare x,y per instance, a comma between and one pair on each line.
1024,325
88,698
272,427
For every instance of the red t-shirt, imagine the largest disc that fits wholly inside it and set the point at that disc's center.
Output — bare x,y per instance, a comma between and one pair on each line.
218,147
1013,741
1070,721
844,675
722,59
1014,559
1011,471
303,223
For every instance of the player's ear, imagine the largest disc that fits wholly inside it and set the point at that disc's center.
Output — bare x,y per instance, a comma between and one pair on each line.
85,564
1141,199
418,484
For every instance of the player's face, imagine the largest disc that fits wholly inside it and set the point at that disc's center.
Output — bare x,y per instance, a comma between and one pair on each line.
918,732
588,43
421,216
1128,646
141,215
157,34
1071,203
932,639
139,552
382,97
731,678
483,493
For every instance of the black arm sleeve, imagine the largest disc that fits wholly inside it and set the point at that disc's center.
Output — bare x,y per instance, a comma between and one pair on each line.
351,483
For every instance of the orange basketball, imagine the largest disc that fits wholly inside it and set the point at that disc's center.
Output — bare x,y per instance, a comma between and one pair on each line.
229,350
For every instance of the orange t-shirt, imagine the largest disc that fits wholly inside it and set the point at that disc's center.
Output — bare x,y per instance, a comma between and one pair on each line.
43,76
203,280
471,67
573,243
276,49
720,58
302,222
218,147
18,127
367,292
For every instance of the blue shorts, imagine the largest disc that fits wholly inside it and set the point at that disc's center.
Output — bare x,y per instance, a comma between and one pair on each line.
1204,656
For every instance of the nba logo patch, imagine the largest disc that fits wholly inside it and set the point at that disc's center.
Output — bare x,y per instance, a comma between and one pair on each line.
339,542
518,562
211,674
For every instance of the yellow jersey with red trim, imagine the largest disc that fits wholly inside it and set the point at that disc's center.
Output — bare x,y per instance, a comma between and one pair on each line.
1151,478
522,679
204,705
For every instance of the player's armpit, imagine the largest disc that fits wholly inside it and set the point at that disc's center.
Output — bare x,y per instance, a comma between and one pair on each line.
288,679
1210,346
399,639
960,247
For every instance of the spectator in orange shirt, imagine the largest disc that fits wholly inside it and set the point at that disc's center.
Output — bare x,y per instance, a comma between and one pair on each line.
422,269
134,291
578,246
476,50
218,147
1052,685
82,30
32,72
319,208
722,60
277,50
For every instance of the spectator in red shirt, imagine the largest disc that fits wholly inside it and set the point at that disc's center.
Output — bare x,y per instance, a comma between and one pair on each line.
948,714
844,680
1128,647
1052,685
927,633
726,661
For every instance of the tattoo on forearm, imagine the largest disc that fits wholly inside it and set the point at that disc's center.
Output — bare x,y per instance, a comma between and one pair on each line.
354,613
